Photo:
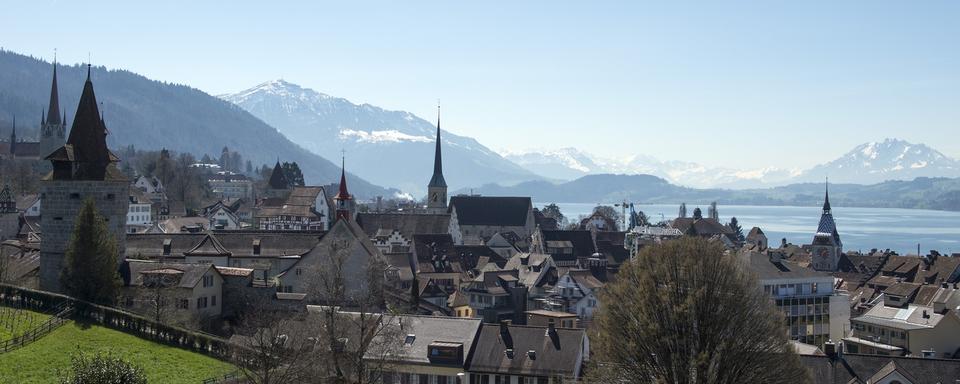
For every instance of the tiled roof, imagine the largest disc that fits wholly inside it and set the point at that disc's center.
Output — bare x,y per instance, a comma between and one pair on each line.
422,331
132,271
553,354
856,368
911,317
234,271
407,224
700,227
581,241
765,269
490,210
238,243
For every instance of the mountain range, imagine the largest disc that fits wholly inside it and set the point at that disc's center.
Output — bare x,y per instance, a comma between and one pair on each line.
150,114
394,148
868,163
922,192
282,120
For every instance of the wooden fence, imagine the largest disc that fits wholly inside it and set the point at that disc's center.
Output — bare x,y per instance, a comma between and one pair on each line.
117,319
37,332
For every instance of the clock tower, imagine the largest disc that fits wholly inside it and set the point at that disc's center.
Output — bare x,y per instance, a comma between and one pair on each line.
826,247
437,189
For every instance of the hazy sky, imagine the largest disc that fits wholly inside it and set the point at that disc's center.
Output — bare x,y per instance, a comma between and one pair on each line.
765,83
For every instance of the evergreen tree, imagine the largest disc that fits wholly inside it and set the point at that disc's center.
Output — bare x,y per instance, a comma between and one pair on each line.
90,267
293,173
553,211
249,168
737,229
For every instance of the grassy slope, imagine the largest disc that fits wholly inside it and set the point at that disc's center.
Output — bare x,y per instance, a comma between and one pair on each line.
14,322
39,361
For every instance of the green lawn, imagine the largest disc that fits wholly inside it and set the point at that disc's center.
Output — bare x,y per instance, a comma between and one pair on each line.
39,361
14,322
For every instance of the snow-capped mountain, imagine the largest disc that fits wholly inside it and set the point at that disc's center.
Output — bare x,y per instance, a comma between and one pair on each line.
891,159
571,163
868,163
392,148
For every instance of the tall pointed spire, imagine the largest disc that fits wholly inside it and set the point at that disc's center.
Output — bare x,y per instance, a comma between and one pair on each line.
53,111
278,179
437,180
343,197
342,193
826,196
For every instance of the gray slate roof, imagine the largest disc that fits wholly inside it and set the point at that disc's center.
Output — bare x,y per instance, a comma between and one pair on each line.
554,354
491,210
855,368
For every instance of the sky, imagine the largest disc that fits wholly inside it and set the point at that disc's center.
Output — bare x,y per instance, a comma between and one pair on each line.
736,84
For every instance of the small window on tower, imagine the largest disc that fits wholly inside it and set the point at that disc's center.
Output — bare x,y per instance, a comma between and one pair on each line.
75,196
111,196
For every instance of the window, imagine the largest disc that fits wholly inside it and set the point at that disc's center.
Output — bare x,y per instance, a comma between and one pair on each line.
75,196
183,304
201,302
207,280
213,301
444,380
423,379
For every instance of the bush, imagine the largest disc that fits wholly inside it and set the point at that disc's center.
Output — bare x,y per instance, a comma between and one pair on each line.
103,369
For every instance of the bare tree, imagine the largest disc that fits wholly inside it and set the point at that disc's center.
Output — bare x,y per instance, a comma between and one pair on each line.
276,346
360,333
686,312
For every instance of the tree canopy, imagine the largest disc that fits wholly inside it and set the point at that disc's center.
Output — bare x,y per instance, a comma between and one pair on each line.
686,312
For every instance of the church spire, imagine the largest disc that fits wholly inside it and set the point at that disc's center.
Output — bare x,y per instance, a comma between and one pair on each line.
343,194
826,197
343,197
437,180
53,111
13,137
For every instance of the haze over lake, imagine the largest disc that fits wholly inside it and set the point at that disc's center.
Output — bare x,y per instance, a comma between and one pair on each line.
860,228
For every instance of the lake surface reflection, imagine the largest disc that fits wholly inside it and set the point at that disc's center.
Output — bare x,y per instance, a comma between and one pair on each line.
860,228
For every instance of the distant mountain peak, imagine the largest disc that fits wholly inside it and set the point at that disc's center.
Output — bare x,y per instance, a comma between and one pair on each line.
379,142
890,159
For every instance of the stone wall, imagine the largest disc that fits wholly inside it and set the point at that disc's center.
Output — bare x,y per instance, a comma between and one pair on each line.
62,200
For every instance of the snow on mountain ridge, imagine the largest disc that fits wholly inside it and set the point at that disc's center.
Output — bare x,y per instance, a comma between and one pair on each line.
326,125
875,162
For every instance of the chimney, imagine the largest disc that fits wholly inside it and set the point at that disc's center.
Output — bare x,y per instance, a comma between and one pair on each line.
783,242
551,328
925,314
505,334
830,349
775,257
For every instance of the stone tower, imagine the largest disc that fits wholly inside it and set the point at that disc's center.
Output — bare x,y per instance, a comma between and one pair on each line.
437,189
53,128
826,247
82,168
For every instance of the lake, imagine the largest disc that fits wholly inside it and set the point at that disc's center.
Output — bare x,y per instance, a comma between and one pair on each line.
860,228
